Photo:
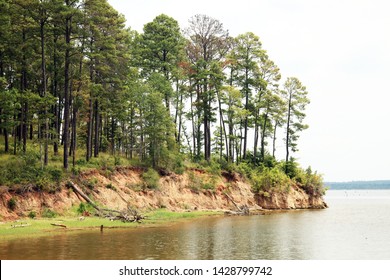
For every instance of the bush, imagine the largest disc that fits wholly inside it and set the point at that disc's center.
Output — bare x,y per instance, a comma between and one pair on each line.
56,174
311,182
48,213
195,182
269,178
151,179
91,183
32,215
84,208
11,204
44,184
171,161
244,169
21,170
213,167
117,161
111,187
291,168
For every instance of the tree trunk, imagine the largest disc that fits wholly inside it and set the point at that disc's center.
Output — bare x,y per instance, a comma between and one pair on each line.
44,91
223,127
262,143
246,117
97,126
274,140
288,130
65,135
6,144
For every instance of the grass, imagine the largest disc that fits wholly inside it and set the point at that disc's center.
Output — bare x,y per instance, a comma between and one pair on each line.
32,228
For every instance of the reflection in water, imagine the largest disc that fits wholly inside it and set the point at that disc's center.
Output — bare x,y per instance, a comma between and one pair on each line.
349,229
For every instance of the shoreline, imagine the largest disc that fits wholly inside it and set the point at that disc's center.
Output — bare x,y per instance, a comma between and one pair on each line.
42,227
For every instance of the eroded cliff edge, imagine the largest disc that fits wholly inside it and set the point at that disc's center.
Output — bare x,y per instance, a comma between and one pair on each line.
194,190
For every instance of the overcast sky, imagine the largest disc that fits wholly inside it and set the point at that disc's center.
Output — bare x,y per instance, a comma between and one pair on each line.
339,49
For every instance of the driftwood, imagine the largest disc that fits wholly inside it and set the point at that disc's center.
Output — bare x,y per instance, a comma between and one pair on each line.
241,210
126,215
21,225
59,225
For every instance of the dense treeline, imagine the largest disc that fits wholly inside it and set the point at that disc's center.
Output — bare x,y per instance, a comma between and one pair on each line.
74,78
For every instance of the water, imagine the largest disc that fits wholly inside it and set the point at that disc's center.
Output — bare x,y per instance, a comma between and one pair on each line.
355,226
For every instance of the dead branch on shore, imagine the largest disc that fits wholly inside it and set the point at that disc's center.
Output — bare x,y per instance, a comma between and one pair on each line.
59,225
20,226
242,210
126,215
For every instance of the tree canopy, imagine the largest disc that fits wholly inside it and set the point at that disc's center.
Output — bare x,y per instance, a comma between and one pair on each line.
73,76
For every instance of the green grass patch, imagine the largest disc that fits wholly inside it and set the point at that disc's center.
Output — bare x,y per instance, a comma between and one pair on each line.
30,228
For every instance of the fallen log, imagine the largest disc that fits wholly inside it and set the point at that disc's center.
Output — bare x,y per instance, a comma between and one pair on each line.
83,195
126,215
59,225
242,210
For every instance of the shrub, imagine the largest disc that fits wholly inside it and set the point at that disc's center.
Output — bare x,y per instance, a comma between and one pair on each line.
76,170
195,182
117,161
244,169
32,215
91,183
291,168
44,184
171,161
84,208
151,178
48,213
11,204
111,187
208,186
311,182
213,167
268,179
56,174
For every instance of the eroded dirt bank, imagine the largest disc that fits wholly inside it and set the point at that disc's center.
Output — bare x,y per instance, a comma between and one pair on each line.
194,190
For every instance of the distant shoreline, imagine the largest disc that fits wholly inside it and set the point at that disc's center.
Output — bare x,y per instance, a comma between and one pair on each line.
359,185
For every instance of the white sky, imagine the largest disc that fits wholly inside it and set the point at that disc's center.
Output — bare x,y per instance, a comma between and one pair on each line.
339,49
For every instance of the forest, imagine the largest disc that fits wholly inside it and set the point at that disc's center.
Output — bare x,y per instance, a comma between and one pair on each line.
76,83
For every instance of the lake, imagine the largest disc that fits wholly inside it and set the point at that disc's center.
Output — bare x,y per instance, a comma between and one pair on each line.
356,226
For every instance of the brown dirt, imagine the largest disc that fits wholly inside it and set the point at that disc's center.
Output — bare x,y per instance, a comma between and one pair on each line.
123,187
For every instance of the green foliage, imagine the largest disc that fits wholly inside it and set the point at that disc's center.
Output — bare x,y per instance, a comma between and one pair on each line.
91,183
245,169
11,204
270,178
48,213
84,208
291,168
44,184
32,214
311,182
141,92
195,182
110,186
151,179
198,182
21,170
55,173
